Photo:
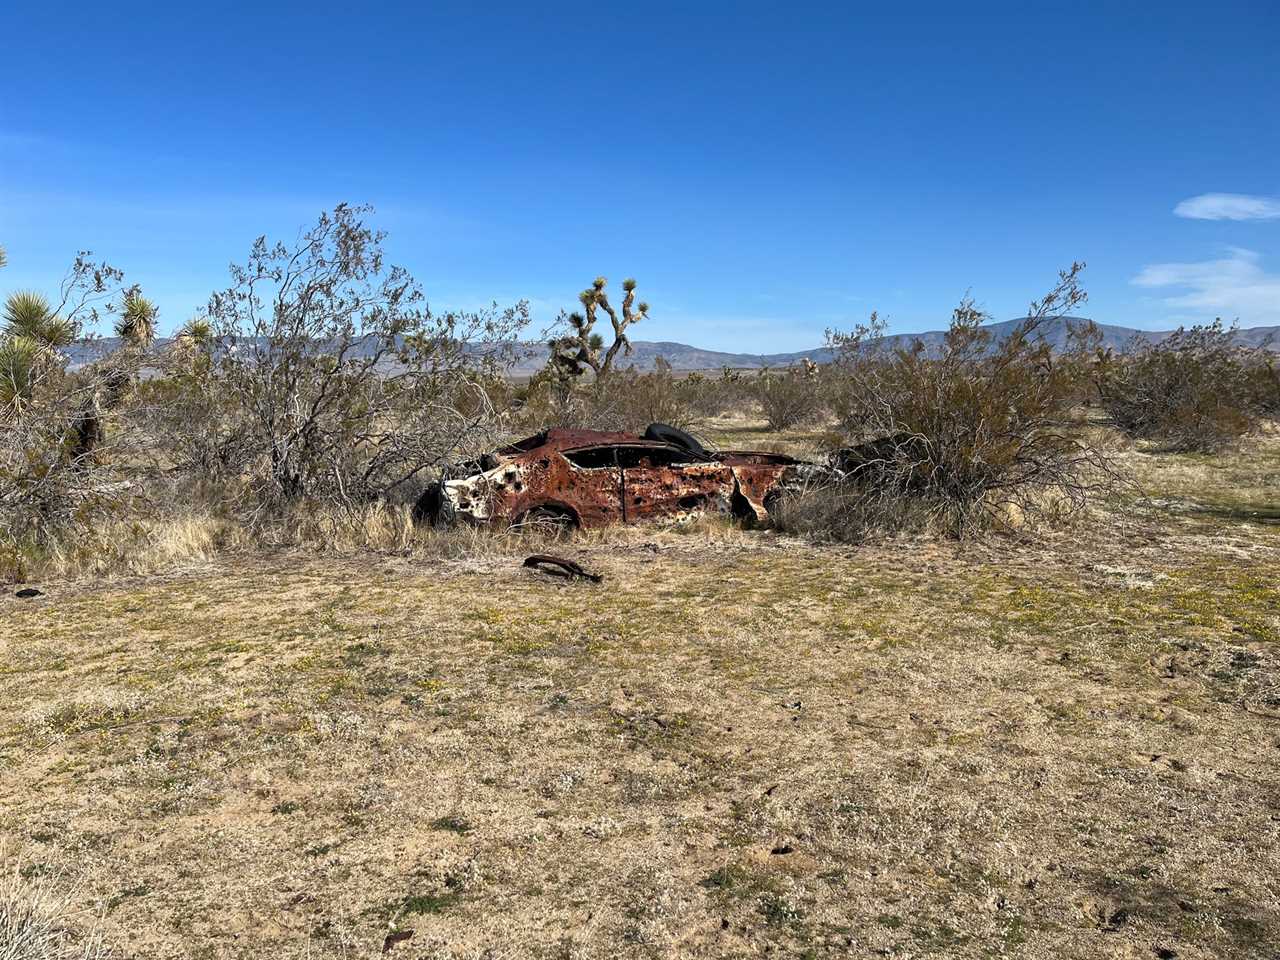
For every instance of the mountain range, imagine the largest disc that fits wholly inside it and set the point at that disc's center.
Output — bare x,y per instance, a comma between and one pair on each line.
682,357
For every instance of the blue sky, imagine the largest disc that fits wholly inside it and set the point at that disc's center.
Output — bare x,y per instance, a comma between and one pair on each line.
766,171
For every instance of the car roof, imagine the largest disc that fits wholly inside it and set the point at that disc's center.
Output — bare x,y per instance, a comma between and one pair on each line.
562,439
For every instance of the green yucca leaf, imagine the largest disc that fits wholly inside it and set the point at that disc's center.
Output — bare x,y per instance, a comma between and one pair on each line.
137,323
197,331
28,314
18,359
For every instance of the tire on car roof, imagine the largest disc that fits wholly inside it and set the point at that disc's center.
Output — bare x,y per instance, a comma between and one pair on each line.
665,433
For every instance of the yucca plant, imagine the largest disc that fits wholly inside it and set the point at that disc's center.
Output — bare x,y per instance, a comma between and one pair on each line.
137,322
32,332
18,359
196,334
192,346
28,314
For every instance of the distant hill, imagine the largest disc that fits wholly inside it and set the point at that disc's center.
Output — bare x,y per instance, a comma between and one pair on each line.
681,356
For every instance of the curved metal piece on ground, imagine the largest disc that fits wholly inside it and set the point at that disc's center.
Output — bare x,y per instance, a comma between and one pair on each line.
570,568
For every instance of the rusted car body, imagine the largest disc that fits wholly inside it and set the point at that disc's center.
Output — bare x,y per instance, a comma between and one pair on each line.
589,478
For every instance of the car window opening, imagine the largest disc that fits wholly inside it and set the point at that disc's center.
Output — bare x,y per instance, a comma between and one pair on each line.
627,457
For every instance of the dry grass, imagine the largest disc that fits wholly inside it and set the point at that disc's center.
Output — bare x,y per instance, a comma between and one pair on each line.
1240,484
40,920
739,744
200,542
742,432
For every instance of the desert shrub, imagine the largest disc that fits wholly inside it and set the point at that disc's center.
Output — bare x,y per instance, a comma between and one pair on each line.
630,400
623,400
846,513
726,393
972,435
319,379
1196,390
789,398
704,395
1264,382
331,381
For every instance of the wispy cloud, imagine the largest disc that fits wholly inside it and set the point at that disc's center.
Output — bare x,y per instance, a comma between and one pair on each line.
1233,287
1229,206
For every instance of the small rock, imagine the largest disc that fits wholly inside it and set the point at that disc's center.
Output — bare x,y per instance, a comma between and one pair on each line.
28,593
782,849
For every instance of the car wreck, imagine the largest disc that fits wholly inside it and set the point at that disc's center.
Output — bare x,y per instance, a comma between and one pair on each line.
589,478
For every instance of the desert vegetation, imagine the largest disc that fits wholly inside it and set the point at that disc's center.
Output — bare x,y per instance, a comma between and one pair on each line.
1197,390
978,434
319,384
1001,682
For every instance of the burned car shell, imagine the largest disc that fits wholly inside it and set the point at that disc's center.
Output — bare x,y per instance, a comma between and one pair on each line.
592,478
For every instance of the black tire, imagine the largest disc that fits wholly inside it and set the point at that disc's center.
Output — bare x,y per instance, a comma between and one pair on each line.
665,433
433,507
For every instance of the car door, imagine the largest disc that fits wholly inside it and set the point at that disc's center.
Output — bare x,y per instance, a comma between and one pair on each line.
660,480
593,485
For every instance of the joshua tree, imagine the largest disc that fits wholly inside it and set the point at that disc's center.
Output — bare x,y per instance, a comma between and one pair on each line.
35,332
137,322
29,316
581,346
32,335
192,346
197,332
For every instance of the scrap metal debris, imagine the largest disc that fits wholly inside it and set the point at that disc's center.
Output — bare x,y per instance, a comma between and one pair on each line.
569,568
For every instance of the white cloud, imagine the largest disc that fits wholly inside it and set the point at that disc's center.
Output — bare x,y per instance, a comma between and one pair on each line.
1229,206
1234,287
